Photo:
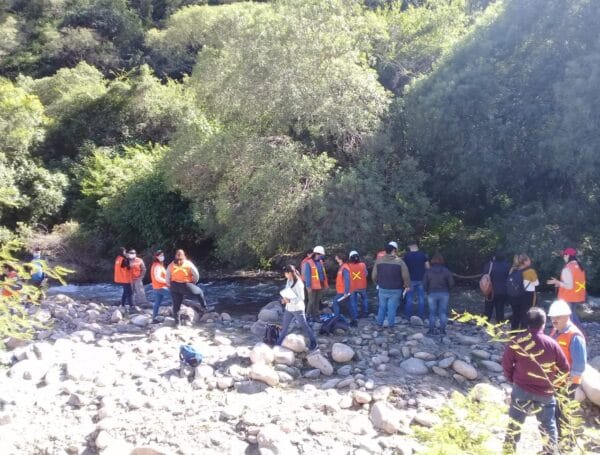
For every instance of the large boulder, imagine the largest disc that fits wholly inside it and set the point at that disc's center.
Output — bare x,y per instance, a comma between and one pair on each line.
141,320
264,373
271,312
591,384
258,328
283,355
316,360
414,366
492,366
387,418
341,352
294,342
464,369
262,353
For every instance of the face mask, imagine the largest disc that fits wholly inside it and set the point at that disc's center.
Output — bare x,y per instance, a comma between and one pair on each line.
161,258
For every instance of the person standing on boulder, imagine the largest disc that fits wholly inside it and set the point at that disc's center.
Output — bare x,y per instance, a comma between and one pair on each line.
391,276
571,286
417,262
342,289
158,276
358,282
294,306
315,280
138,270
437,282
182,276
532,362
122,276
572,342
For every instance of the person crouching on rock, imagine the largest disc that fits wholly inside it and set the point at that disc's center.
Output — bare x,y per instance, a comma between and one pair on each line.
182,275
293,299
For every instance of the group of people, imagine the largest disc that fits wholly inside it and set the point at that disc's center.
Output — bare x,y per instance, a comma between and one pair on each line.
178,280
570,287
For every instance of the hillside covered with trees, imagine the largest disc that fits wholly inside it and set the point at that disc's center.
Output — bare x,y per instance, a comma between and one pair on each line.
240,130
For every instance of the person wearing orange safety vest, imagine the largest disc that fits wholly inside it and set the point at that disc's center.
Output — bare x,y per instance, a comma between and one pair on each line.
343,289
181,278
158,277
137,268
572,343
358,282
315,280
571,286
122,277
12,285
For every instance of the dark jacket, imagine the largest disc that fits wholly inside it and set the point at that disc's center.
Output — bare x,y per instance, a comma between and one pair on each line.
437,279
499,275
521,370
390,272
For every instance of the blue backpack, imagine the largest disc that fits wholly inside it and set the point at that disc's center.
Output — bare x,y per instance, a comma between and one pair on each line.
189,355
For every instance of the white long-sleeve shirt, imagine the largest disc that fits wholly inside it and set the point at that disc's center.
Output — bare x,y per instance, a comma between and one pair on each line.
296,304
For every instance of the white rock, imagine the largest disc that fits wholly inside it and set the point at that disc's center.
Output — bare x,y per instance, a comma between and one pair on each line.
272,441
42,315
414,366
426,419
464,369
362,397
487,393
141,320
316,360
360,425
92,315
387,418
224,383
341,352
283,355
591,384
424,356
262,353
204,371
30,370
381,393
103,440
116,316
294,342
264,373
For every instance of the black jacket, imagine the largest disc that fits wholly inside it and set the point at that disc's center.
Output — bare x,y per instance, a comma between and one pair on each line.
498,275
437,279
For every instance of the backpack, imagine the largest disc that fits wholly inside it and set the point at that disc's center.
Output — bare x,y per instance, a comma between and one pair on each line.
271,334
189,356
514,283
333,323
485,284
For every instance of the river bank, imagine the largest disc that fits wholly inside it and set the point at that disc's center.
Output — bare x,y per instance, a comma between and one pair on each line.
95,381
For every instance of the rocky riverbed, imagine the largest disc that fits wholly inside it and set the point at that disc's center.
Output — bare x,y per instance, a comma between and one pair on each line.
95,381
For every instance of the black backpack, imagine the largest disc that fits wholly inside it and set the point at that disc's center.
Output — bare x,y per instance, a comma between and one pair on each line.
514,283
334,323
271,334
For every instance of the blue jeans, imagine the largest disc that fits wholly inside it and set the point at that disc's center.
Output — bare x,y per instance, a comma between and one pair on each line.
127,296
159,294
363,296
521,404
438,306
408,306
350,300
389,300
300,318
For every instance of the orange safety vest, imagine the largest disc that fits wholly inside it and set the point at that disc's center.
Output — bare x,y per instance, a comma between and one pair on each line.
315,283
564,341
339,279
577,294
161,272
136,268
358,276
181,273
122,274
8,290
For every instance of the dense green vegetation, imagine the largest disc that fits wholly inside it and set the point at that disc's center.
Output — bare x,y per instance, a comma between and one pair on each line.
241,130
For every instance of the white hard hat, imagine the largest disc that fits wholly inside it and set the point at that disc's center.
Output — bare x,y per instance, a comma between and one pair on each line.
559,308
394,244
319,249
353,253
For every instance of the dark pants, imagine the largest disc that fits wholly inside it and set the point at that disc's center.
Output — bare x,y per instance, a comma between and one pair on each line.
300,318
181,290
523,403
497,304
314,302
127,296
520,306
